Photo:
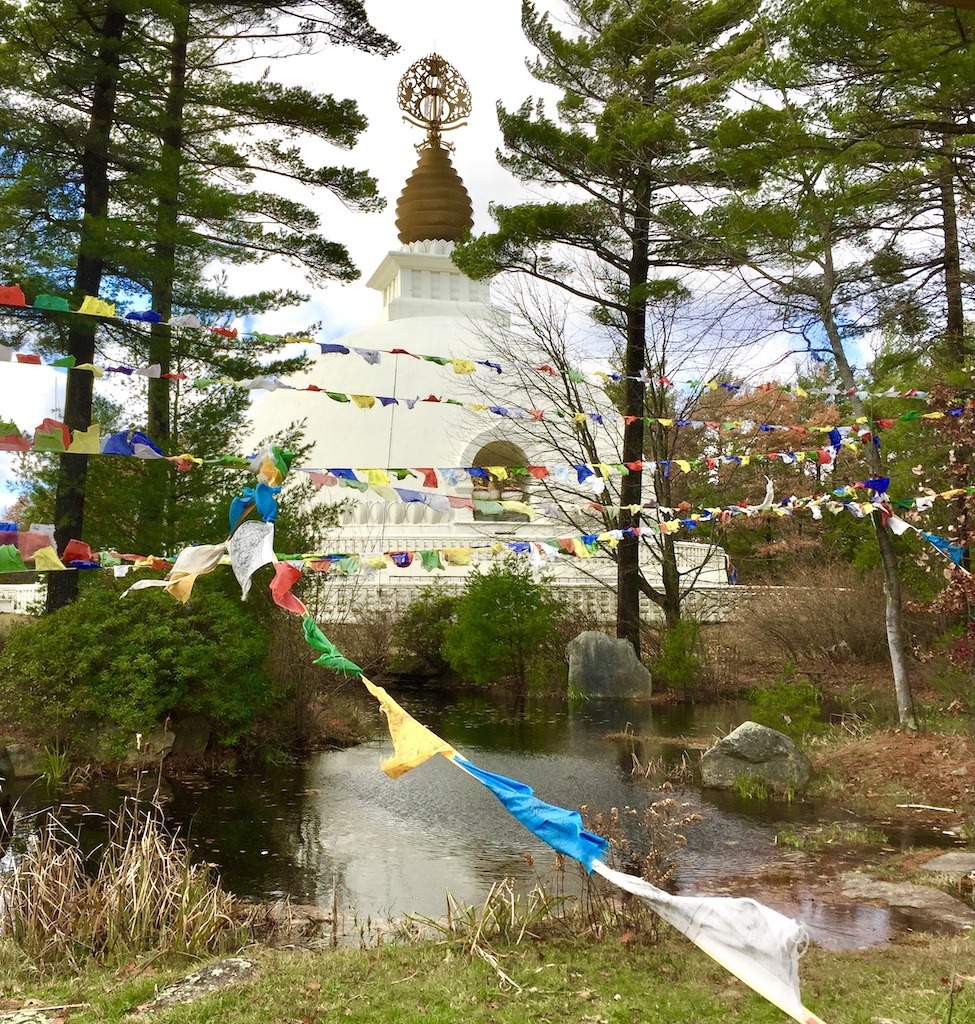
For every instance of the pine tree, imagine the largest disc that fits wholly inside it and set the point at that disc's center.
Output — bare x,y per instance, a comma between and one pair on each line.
130,152
809,236
643,87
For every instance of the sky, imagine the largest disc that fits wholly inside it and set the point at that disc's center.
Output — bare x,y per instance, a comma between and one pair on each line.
489,51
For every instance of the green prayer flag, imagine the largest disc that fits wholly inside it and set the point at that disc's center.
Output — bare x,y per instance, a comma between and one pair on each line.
54,302
330,658
431,560
10,560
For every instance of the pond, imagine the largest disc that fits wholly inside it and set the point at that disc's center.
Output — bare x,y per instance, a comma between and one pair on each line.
337,829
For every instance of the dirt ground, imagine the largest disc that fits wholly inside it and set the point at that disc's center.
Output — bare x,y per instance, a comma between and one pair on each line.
893,767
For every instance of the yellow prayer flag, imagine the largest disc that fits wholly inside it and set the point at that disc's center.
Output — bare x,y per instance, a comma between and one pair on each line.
799,392
181,586
519,506
95,371
47,559
463,365
364,401
96,307
375,561
579,417
376,477
498,472
457,556
685,466
665,422
86,442
413,743
269,472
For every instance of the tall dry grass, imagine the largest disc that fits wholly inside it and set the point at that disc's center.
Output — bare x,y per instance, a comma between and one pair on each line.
138,893
832,613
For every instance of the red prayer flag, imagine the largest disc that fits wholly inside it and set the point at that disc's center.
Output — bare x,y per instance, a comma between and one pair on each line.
285,577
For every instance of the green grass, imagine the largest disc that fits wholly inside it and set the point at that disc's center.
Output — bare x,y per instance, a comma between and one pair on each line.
578,980
753,787
823,837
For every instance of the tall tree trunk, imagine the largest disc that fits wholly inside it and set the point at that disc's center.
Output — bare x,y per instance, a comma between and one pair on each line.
888,556
69,504
631,489
156,506
954,336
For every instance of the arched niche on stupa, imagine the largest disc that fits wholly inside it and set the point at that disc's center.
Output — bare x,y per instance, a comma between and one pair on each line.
500,452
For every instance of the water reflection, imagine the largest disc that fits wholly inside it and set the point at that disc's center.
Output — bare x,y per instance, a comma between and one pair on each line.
337,826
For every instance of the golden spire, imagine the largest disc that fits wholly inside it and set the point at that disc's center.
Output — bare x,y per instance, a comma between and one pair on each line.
434,205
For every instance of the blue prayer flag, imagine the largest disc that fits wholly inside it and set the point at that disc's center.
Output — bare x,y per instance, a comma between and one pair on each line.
560,828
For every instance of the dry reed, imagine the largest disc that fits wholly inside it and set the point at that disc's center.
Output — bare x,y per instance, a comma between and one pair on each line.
138,893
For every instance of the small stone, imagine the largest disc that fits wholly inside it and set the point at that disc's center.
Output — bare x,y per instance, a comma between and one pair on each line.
955,863
960,771
232,971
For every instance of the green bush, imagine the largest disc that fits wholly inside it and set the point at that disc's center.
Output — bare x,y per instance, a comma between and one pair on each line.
791,705
129,663
421,631
679,664
506,627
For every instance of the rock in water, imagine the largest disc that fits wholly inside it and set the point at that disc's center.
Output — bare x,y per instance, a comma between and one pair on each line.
602,667
758,752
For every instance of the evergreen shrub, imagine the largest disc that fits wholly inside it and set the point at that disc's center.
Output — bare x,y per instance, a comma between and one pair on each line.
130,663
791,705
679,663
422,629
506,627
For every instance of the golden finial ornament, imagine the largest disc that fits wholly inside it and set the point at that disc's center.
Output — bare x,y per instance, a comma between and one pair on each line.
433,95
434,205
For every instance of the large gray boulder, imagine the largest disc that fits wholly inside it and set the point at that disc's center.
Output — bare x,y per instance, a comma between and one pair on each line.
758,752
192,737
602,667
22,761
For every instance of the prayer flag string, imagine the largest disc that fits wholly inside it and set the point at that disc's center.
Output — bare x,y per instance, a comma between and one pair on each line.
13,297
757,944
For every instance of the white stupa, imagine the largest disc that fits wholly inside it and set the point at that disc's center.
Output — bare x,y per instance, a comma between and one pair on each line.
389,432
